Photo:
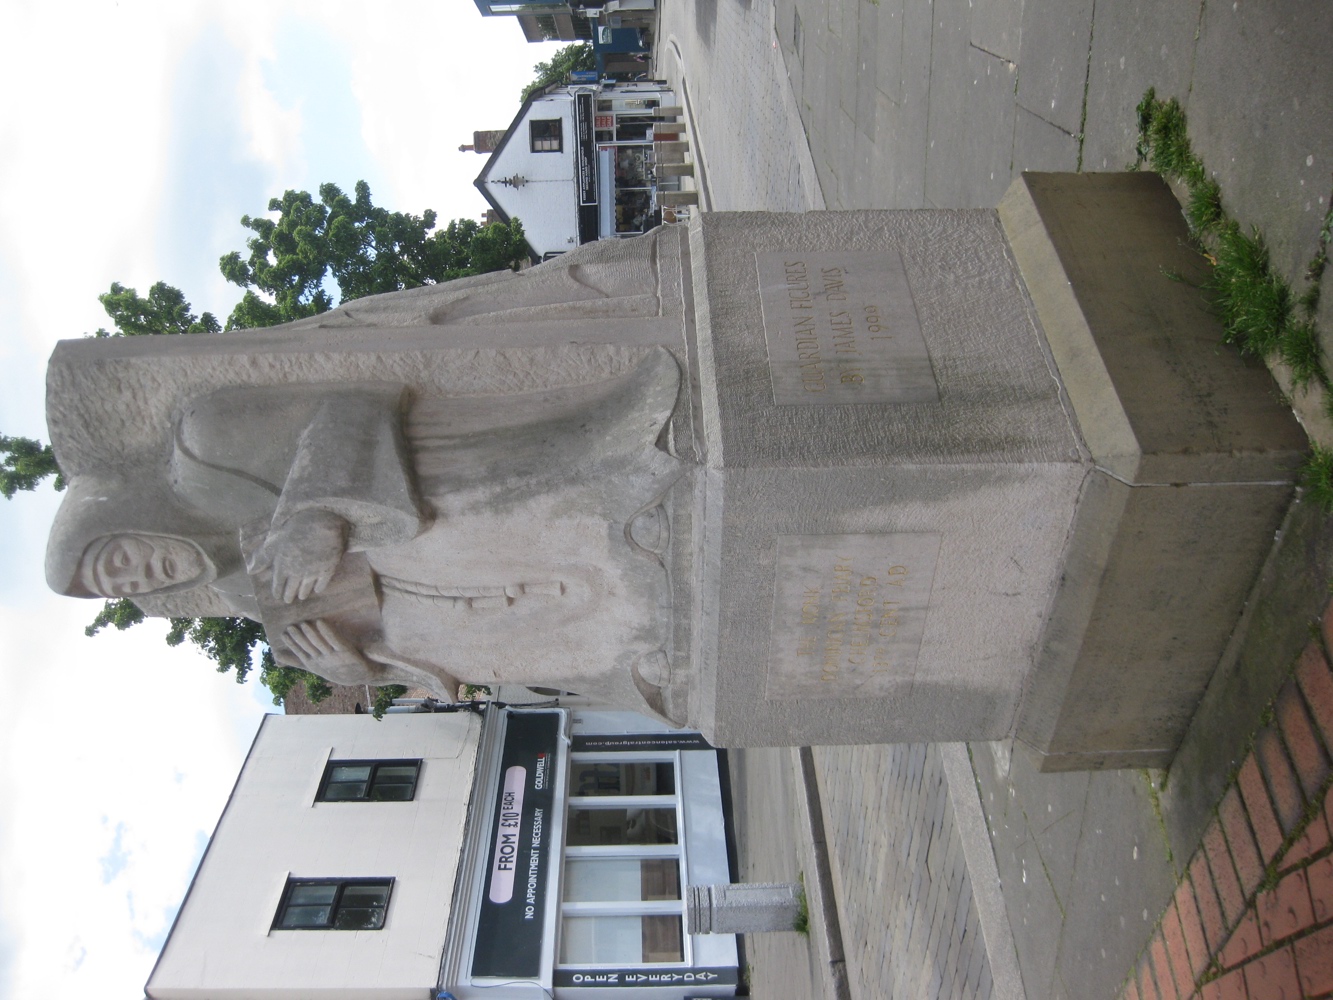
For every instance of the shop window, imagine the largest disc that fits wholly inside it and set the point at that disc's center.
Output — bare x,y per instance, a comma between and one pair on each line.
624,863
621,940
607,827
333,904
637,778
546,135
633,128
369,781
620,880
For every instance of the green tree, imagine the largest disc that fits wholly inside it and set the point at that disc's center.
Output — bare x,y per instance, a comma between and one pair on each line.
26,463
578,56
163,310
384,697
363,249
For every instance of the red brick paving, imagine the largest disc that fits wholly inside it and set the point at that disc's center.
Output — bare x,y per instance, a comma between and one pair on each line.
1286,909
1320,876
1298,733
1192,925
1232,986
1312,674
1259,807
1311,842
1173,935
1224,874
1244,852
1147,989
1314,962
1212,922
1245,942
1161,967
1254,913
1288,802
1273,977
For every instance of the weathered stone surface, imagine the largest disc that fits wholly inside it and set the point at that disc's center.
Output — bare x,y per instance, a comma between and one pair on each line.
393,500
790,479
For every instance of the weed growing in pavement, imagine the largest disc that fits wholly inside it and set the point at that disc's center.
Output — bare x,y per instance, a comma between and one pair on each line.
1317,477
1260,313
801,925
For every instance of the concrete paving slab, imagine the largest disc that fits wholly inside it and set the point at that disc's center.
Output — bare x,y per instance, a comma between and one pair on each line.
997,28
1053,60
1122,870
1261,116
1081,857
1039,145
765,795
945,37
867,65
1135,45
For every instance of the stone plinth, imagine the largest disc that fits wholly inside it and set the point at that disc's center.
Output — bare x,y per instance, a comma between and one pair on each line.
933,506
1193,454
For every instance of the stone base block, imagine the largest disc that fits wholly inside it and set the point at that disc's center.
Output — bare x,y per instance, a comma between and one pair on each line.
971,474
1194,456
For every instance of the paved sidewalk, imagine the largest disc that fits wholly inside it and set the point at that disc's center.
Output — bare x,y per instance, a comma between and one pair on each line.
897,104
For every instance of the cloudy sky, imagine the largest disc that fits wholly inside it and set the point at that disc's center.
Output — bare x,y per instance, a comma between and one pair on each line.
134,134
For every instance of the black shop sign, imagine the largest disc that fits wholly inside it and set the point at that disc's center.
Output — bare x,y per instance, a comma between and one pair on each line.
513,908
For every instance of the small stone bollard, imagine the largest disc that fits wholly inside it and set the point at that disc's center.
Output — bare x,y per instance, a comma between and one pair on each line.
742,908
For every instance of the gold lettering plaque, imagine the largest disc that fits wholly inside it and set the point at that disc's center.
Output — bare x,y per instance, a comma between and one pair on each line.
849,612
842,328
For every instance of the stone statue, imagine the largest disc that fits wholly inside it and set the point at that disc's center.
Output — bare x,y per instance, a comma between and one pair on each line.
384,531
786,479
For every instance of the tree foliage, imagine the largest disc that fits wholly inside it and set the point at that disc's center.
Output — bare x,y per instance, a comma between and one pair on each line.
362,248
349,244
163,310
578,56
25,464
384,697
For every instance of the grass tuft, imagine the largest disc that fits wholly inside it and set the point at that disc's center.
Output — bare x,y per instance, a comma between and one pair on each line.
1253,303
1317,476
1299,349
1204,211
801,925
1260,313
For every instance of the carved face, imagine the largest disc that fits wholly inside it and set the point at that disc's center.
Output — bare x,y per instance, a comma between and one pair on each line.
125,565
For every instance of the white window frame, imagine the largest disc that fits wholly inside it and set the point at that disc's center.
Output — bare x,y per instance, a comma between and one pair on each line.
627,908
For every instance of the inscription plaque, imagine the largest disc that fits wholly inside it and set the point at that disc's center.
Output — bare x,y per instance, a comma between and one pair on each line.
842,328
849,612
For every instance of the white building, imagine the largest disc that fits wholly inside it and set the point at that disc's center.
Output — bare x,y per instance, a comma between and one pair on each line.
578,164
526,854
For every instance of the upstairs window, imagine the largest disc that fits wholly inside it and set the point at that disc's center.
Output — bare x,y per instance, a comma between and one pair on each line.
323,904
546,135
369,781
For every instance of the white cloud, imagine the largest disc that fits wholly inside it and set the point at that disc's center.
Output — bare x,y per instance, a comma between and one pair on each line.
119,756
423,96
83,127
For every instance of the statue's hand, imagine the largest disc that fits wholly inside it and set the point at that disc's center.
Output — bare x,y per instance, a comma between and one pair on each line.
322,650
303,552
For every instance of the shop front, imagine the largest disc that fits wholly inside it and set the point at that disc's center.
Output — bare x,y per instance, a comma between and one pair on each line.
512,854
589,834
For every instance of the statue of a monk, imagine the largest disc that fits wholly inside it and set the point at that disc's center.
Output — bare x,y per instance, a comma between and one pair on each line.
385,534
